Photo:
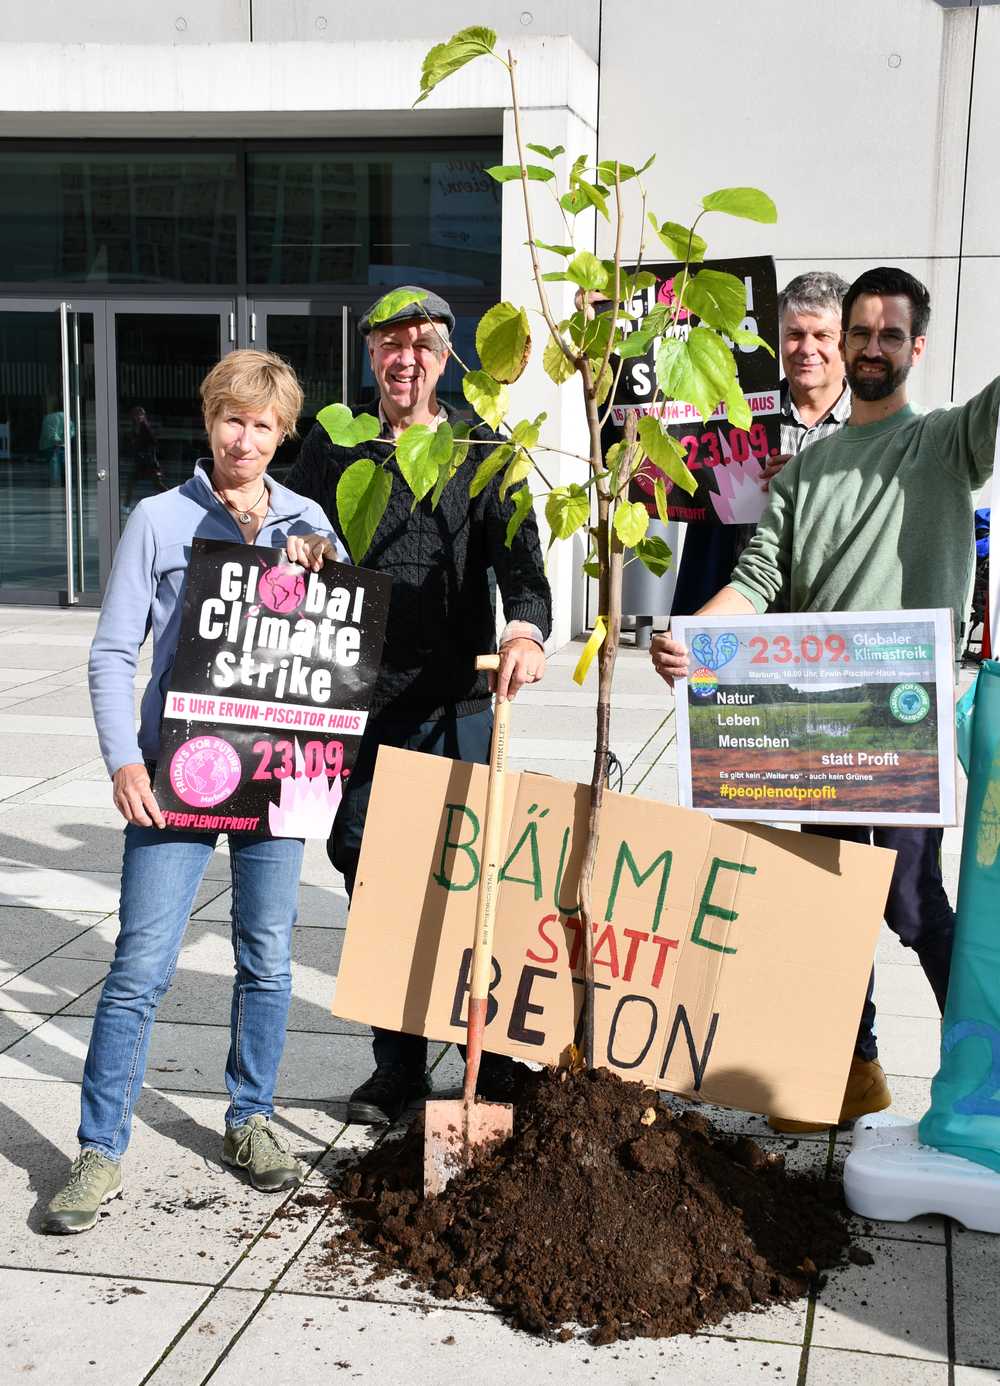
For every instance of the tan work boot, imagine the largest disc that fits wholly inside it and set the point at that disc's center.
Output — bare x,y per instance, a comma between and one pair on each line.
866,1092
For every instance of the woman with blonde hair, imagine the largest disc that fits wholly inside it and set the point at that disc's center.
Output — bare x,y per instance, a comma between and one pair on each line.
251,402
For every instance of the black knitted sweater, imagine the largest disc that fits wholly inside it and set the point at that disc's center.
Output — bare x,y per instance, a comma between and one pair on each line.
440,609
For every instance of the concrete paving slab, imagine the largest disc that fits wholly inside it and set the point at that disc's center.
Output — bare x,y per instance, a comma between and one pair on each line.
835,1367
372,1342
974,1376
59,1327
25,724
193,1356
52,985
70,704
546,697
16,784
910,1045
72,840
890,950
898,1305
13,677
14,1025
22,755
183,1216
976,1288
23,649
902,990
88,794
96,892
203,983
28,935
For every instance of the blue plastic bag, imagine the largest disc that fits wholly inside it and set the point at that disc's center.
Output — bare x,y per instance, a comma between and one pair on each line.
964,1116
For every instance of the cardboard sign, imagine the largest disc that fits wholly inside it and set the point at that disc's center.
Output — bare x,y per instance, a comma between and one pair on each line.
269,691
816,718
727,462
729,962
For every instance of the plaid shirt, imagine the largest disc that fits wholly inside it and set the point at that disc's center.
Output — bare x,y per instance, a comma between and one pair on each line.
796,434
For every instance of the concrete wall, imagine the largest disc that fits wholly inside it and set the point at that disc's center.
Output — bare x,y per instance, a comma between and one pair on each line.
855,117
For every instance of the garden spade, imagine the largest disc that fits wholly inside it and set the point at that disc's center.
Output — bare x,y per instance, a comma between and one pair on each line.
453,1131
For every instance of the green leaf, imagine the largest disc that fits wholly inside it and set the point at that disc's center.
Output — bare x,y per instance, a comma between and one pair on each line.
631,522
545,152
555,276
446,58
492,463
420,453
653,553
566,509
506,173
606,170
525,433
556,249
637,343
677,238
698,370
750,339
346,430
522,509
448,468
394,302
737,410
363,493
587,271
558,366
503,340
579,164
749,203
591,335
584,195
487,396
519,470
592,567
603,386
613,460
665,453
660,496
718,299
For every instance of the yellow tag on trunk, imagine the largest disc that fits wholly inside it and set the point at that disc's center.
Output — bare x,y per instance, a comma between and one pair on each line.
597,638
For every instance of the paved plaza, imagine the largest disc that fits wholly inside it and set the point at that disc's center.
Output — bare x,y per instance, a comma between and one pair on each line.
195,1277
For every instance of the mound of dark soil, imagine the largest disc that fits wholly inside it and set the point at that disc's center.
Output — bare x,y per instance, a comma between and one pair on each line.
604,1209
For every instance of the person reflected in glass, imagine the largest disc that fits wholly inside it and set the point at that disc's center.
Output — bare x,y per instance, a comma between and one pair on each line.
251,401
145,470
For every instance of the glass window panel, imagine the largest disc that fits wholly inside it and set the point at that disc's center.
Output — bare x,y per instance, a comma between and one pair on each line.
160,362
427,216
118,218
313,345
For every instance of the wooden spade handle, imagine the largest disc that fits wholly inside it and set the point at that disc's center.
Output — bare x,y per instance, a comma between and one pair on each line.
486,900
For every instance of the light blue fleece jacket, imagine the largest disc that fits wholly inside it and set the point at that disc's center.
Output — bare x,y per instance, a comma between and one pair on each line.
146,593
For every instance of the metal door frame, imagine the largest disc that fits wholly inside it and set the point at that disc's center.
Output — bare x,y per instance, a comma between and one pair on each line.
45,596
227,310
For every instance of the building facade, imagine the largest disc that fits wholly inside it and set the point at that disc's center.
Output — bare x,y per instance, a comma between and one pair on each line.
180,180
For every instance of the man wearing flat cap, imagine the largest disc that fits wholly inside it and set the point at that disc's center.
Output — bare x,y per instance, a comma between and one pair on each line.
428,696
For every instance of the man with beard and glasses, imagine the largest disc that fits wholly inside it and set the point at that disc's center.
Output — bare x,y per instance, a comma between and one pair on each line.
878,517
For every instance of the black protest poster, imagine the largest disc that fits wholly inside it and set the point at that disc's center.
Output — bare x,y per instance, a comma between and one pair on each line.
726,462
269,691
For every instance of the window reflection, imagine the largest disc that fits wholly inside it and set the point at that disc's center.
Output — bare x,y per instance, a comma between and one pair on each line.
381,218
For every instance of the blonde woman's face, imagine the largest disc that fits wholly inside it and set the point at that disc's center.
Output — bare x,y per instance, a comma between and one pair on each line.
243,442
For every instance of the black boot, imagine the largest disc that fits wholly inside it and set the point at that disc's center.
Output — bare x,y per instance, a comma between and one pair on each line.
500,1078
386,1094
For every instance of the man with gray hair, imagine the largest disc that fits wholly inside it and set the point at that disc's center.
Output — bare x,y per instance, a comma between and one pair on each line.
815,402
815,399
428,696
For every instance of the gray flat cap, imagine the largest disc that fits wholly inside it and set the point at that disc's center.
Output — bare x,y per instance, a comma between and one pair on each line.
433,305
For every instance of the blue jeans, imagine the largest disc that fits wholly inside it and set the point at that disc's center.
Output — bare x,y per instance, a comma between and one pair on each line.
458,738
917,909
161,874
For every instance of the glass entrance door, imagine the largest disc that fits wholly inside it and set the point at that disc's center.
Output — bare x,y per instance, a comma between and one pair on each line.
53,449
161,353
315,339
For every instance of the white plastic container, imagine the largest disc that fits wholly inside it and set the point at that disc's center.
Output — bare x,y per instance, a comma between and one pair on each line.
890,1177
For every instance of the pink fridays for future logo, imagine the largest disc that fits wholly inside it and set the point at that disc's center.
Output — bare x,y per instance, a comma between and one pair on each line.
204,771
281,589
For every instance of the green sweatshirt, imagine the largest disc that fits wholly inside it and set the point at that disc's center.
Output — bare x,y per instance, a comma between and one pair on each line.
877,517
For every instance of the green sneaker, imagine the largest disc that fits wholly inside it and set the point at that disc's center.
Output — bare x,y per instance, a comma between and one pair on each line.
93,1180
257,1148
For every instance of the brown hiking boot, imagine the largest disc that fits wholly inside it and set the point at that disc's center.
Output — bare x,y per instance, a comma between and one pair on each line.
866,1092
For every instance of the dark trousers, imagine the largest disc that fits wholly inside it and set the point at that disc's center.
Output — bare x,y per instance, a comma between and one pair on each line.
459,738
917,910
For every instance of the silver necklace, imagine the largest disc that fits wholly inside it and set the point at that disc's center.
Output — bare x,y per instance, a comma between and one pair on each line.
244,516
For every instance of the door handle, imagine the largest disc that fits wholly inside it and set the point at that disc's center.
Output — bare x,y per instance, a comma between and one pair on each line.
71,593
101,475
